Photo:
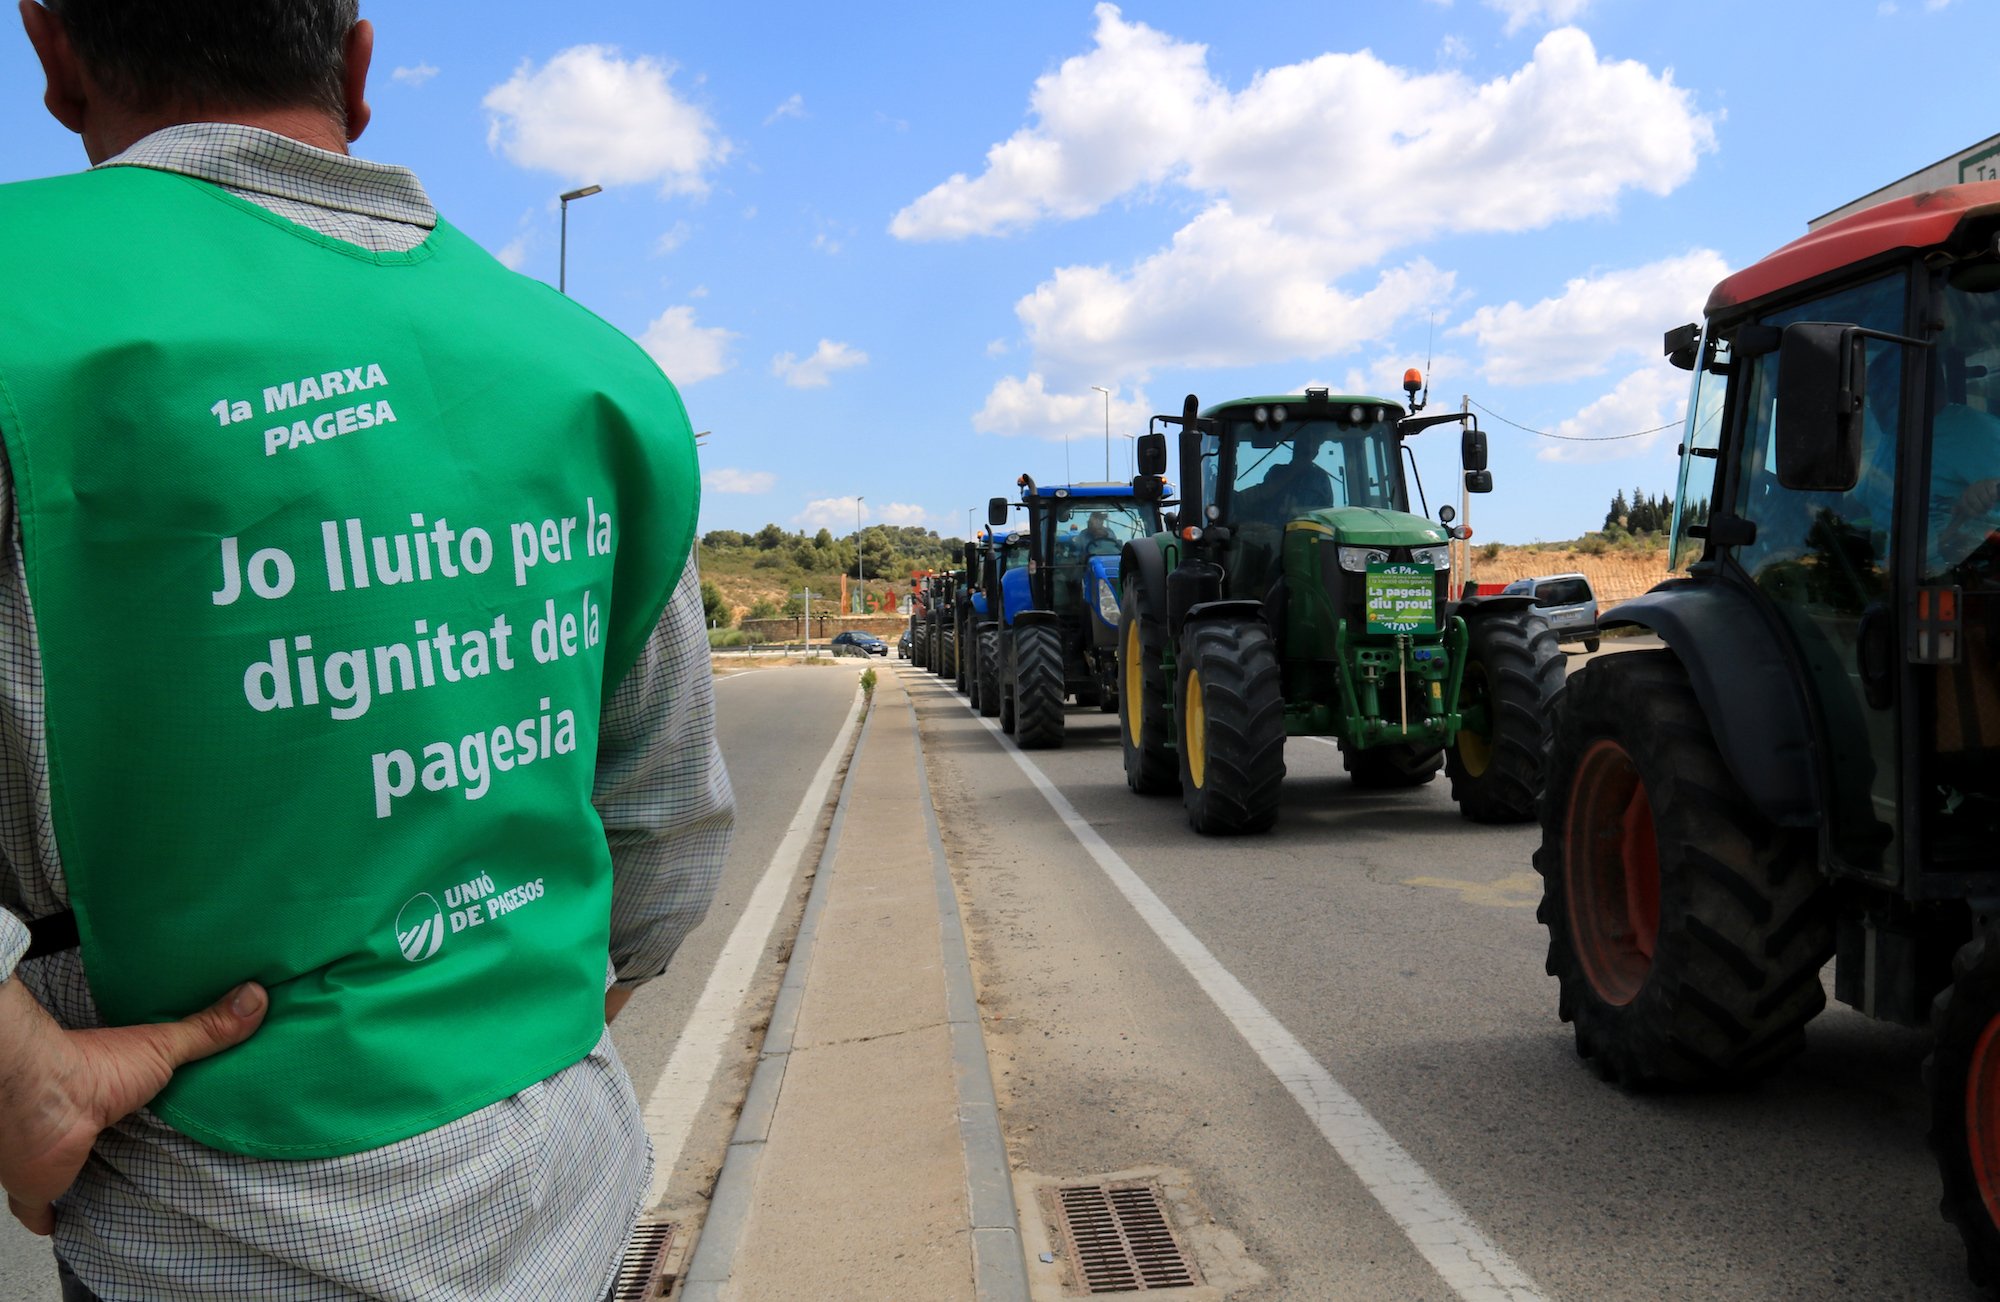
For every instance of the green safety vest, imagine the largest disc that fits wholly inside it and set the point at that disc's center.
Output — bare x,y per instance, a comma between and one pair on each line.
335,557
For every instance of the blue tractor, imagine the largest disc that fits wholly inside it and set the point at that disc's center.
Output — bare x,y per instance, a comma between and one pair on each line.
987,558
1057,633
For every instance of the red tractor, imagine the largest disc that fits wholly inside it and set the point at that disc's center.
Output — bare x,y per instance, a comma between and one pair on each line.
1810,769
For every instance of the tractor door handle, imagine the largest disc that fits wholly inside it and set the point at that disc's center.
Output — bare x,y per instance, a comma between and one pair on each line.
1875,655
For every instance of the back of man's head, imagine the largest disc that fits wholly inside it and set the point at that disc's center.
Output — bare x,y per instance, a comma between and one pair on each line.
213,54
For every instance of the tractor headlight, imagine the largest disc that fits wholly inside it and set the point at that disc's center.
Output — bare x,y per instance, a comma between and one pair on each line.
1438,558
1107,603
1358,559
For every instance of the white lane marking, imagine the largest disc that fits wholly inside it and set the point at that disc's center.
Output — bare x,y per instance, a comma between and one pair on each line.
683,1086
1437,1227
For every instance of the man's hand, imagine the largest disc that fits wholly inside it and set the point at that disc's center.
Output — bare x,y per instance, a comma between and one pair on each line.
59,1088
1978,499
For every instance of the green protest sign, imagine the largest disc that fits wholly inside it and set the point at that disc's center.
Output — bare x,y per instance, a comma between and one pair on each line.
1401,597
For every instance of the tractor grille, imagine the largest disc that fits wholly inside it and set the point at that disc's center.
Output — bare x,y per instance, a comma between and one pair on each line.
1118,1236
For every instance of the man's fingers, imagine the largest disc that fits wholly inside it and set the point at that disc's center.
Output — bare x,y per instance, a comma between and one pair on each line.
38,1216
226,1023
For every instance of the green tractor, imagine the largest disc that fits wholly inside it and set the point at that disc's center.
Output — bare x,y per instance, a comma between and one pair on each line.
1296,595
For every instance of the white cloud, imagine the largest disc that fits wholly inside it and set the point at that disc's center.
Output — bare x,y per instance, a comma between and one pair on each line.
999,348
687,352
816,372
905,515
1453,49
1314,172
835,513
513,255
826,244
725,480
1595,321
590,115
672,239
1643,400
1553,13
414,76
1025,406
794,107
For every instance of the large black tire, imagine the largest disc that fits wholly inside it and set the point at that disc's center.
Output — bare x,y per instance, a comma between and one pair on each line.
1514,668
1686,931
920,643
989,674
961,658
1230,704
948,652
1143,731
1389,767
1038,687
1963,1073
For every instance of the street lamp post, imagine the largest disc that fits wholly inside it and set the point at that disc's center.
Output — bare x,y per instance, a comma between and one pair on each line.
1107,429
562,250
860,594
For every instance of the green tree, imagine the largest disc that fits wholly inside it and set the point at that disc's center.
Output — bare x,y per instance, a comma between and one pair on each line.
762,608
716,612
771,537
823,540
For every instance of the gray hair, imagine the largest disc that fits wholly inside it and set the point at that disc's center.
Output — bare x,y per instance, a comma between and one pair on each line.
212,54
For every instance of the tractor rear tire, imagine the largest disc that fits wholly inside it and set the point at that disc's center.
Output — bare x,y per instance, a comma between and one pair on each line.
1038,687
1963,1073
920,642
989,675
1386,768
1514,668
1230,705
1686,932
961,660
948,653
1143,732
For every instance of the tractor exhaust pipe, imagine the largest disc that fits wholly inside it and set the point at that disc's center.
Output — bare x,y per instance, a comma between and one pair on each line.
1190,485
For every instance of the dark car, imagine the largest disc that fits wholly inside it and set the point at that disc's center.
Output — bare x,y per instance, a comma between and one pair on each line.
903,645
853,643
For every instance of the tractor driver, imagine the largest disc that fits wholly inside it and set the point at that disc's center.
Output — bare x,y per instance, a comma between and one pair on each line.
1290,488
1095,539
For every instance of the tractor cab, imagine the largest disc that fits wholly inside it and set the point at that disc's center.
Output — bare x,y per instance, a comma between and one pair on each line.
1074,534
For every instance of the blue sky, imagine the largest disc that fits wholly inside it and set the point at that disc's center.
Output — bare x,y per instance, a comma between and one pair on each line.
886,249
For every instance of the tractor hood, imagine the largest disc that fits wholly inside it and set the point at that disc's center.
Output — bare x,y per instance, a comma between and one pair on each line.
1369,526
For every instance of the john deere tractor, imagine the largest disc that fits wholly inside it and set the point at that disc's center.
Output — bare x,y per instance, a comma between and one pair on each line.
1810,769
1297,595
1060,631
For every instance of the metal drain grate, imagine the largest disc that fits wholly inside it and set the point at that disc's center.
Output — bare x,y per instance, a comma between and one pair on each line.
1119,1238
642,1274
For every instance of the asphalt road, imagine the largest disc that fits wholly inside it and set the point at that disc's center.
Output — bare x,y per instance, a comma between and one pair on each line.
1397,944
775,726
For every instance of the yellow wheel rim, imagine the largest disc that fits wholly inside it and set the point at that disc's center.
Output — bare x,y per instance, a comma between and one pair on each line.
1197,730
1475,752
1133,703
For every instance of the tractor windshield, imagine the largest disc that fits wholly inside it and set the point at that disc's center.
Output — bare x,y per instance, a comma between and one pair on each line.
1099,528
1278,472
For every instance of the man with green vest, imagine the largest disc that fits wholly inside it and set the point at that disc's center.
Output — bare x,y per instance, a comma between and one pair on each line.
356,734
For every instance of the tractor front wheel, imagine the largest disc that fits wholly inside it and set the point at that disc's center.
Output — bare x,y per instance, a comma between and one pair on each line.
1963,1073
1038,687
1687,932
1514,667
1231,708
988,671
1142,697
1388,767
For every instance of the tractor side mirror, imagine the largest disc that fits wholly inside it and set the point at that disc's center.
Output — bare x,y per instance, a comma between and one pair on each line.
1822,384
1148,489
996,512
1478,481
1152,454
1472,450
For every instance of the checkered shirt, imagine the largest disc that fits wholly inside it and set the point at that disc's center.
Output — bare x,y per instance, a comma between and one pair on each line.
531,1198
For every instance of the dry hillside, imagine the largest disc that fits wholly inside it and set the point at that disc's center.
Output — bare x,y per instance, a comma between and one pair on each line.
1616,573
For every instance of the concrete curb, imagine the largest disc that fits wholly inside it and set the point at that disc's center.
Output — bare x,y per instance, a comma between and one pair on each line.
736,1186
1000,1264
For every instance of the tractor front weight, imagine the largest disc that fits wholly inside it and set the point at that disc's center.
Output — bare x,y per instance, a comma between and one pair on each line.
1373,675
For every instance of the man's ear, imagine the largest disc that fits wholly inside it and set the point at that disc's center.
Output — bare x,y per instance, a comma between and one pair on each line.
360,53
67,91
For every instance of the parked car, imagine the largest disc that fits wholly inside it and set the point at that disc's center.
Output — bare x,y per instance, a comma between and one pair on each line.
903,646
1568,603
854,643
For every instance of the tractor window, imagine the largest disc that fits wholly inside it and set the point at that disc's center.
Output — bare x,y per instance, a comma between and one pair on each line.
1700,442
1824,560
1301,466
1098,528
1960,703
